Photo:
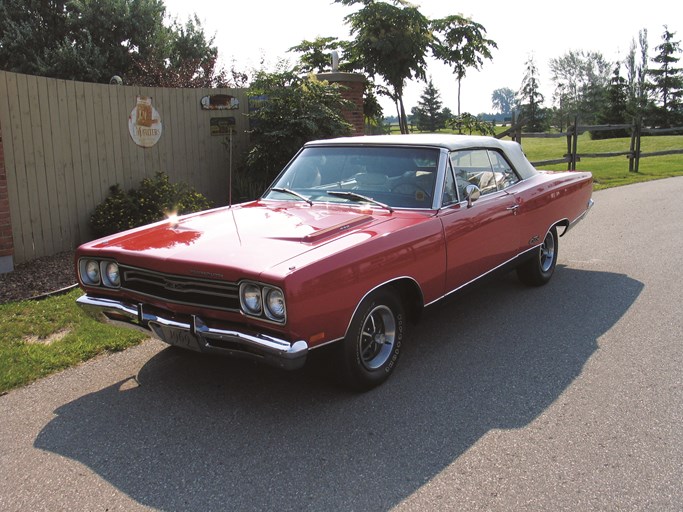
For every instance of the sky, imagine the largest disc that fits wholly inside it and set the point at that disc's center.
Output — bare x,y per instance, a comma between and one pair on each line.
249,33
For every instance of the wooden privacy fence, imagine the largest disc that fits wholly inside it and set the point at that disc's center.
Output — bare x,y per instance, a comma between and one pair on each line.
634,154
66,143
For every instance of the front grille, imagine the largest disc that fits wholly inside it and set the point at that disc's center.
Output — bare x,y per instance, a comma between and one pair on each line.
206,293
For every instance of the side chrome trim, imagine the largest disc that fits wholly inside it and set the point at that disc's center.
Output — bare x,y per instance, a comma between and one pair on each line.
271,350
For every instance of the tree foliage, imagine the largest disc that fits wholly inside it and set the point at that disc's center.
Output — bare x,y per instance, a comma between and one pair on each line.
531,99
92,40
503,100
390,41
461,43
636,76
154,199
580,79
429,114
614,108
294,109
467,123
667,83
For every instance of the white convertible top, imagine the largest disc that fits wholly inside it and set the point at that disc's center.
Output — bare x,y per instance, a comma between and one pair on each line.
446,141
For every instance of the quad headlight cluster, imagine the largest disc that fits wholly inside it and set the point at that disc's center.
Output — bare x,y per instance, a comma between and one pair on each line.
99,273
262,300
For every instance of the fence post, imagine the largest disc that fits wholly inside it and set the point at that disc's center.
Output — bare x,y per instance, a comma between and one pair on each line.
575,143
632,147
637,153
570,135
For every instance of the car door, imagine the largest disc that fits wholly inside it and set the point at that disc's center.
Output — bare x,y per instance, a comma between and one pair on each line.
482,236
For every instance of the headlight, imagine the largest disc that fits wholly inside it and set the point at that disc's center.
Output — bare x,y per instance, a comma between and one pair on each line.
111,276
90,272
263,301
250,296
275,304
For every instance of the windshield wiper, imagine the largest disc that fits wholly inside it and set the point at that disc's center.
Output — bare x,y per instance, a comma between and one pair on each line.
359,197
292,193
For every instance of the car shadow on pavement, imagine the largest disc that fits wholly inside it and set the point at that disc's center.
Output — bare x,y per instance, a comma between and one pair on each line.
203,433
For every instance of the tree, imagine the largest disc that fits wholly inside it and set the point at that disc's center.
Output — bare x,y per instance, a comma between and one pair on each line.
531,100
614,110
295,110
466,122
389,41
429,115
460,43
92,40
503,100
316,55
636,74
667,83
579,78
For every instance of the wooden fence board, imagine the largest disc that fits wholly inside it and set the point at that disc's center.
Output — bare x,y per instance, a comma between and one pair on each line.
53,222
59,126
66,143
28,144
76,178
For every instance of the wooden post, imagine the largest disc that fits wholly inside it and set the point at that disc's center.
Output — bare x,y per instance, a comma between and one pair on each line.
637,154
570,134
575,143
632,147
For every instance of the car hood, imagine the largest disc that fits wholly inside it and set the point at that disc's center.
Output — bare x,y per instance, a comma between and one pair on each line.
246,239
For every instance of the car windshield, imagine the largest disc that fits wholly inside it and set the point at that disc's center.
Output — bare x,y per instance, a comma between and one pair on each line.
398,177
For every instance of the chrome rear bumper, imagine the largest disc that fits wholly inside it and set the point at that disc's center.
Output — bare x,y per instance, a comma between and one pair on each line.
196,335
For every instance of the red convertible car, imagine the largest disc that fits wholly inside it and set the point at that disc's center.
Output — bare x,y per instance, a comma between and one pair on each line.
352,240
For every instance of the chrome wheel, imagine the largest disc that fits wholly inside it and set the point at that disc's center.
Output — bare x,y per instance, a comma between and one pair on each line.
378,337
547,253
373,341
539,268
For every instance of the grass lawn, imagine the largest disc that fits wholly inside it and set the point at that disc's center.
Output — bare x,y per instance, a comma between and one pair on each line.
39,338
612,171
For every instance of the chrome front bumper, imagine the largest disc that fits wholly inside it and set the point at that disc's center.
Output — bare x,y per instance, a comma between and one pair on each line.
196,335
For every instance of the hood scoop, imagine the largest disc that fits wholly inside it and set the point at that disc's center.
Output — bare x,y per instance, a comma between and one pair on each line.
331,231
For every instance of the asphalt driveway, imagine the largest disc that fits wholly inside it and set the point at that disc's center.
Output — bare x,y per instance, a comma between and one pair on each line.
566,397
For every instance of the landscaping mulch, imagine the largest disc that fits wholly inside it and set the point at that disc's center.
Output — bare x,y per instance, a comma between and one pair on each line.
38,277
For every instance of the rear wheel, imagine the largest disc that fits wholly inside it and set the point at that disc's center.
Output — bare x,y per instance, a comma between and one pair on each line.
373,342
538,270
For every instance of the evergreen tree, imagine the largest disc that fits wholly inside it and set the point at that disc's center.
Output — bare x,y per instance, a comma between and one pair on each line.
531,99
615,107
428,115
667,83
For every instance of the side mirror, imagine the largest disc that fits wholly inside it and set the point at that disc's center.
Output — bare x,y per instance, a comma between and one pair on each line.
472,193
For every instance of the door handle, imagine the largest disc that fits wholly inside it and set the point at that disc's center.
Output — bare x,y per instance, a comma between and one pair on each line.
513,209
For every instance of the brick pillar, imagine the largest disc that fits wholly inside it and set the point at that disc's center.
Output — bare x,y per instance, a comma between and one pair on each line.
353,89
6,241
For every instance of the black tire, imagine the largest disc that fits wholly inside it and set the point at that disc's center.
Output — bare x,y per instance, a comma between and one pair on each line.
373,342
538,270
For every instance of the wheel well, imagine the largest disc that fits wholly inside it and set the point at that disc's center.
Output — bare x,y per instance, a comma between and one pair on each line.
411,297
564,223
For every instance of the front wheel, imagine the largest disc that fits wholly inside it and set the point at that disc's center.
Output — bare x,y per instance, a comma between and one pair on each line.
538,270
373,342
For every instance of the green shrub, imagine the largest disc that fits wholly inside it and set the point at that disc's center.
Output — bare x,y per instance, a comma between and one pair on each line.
154,198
